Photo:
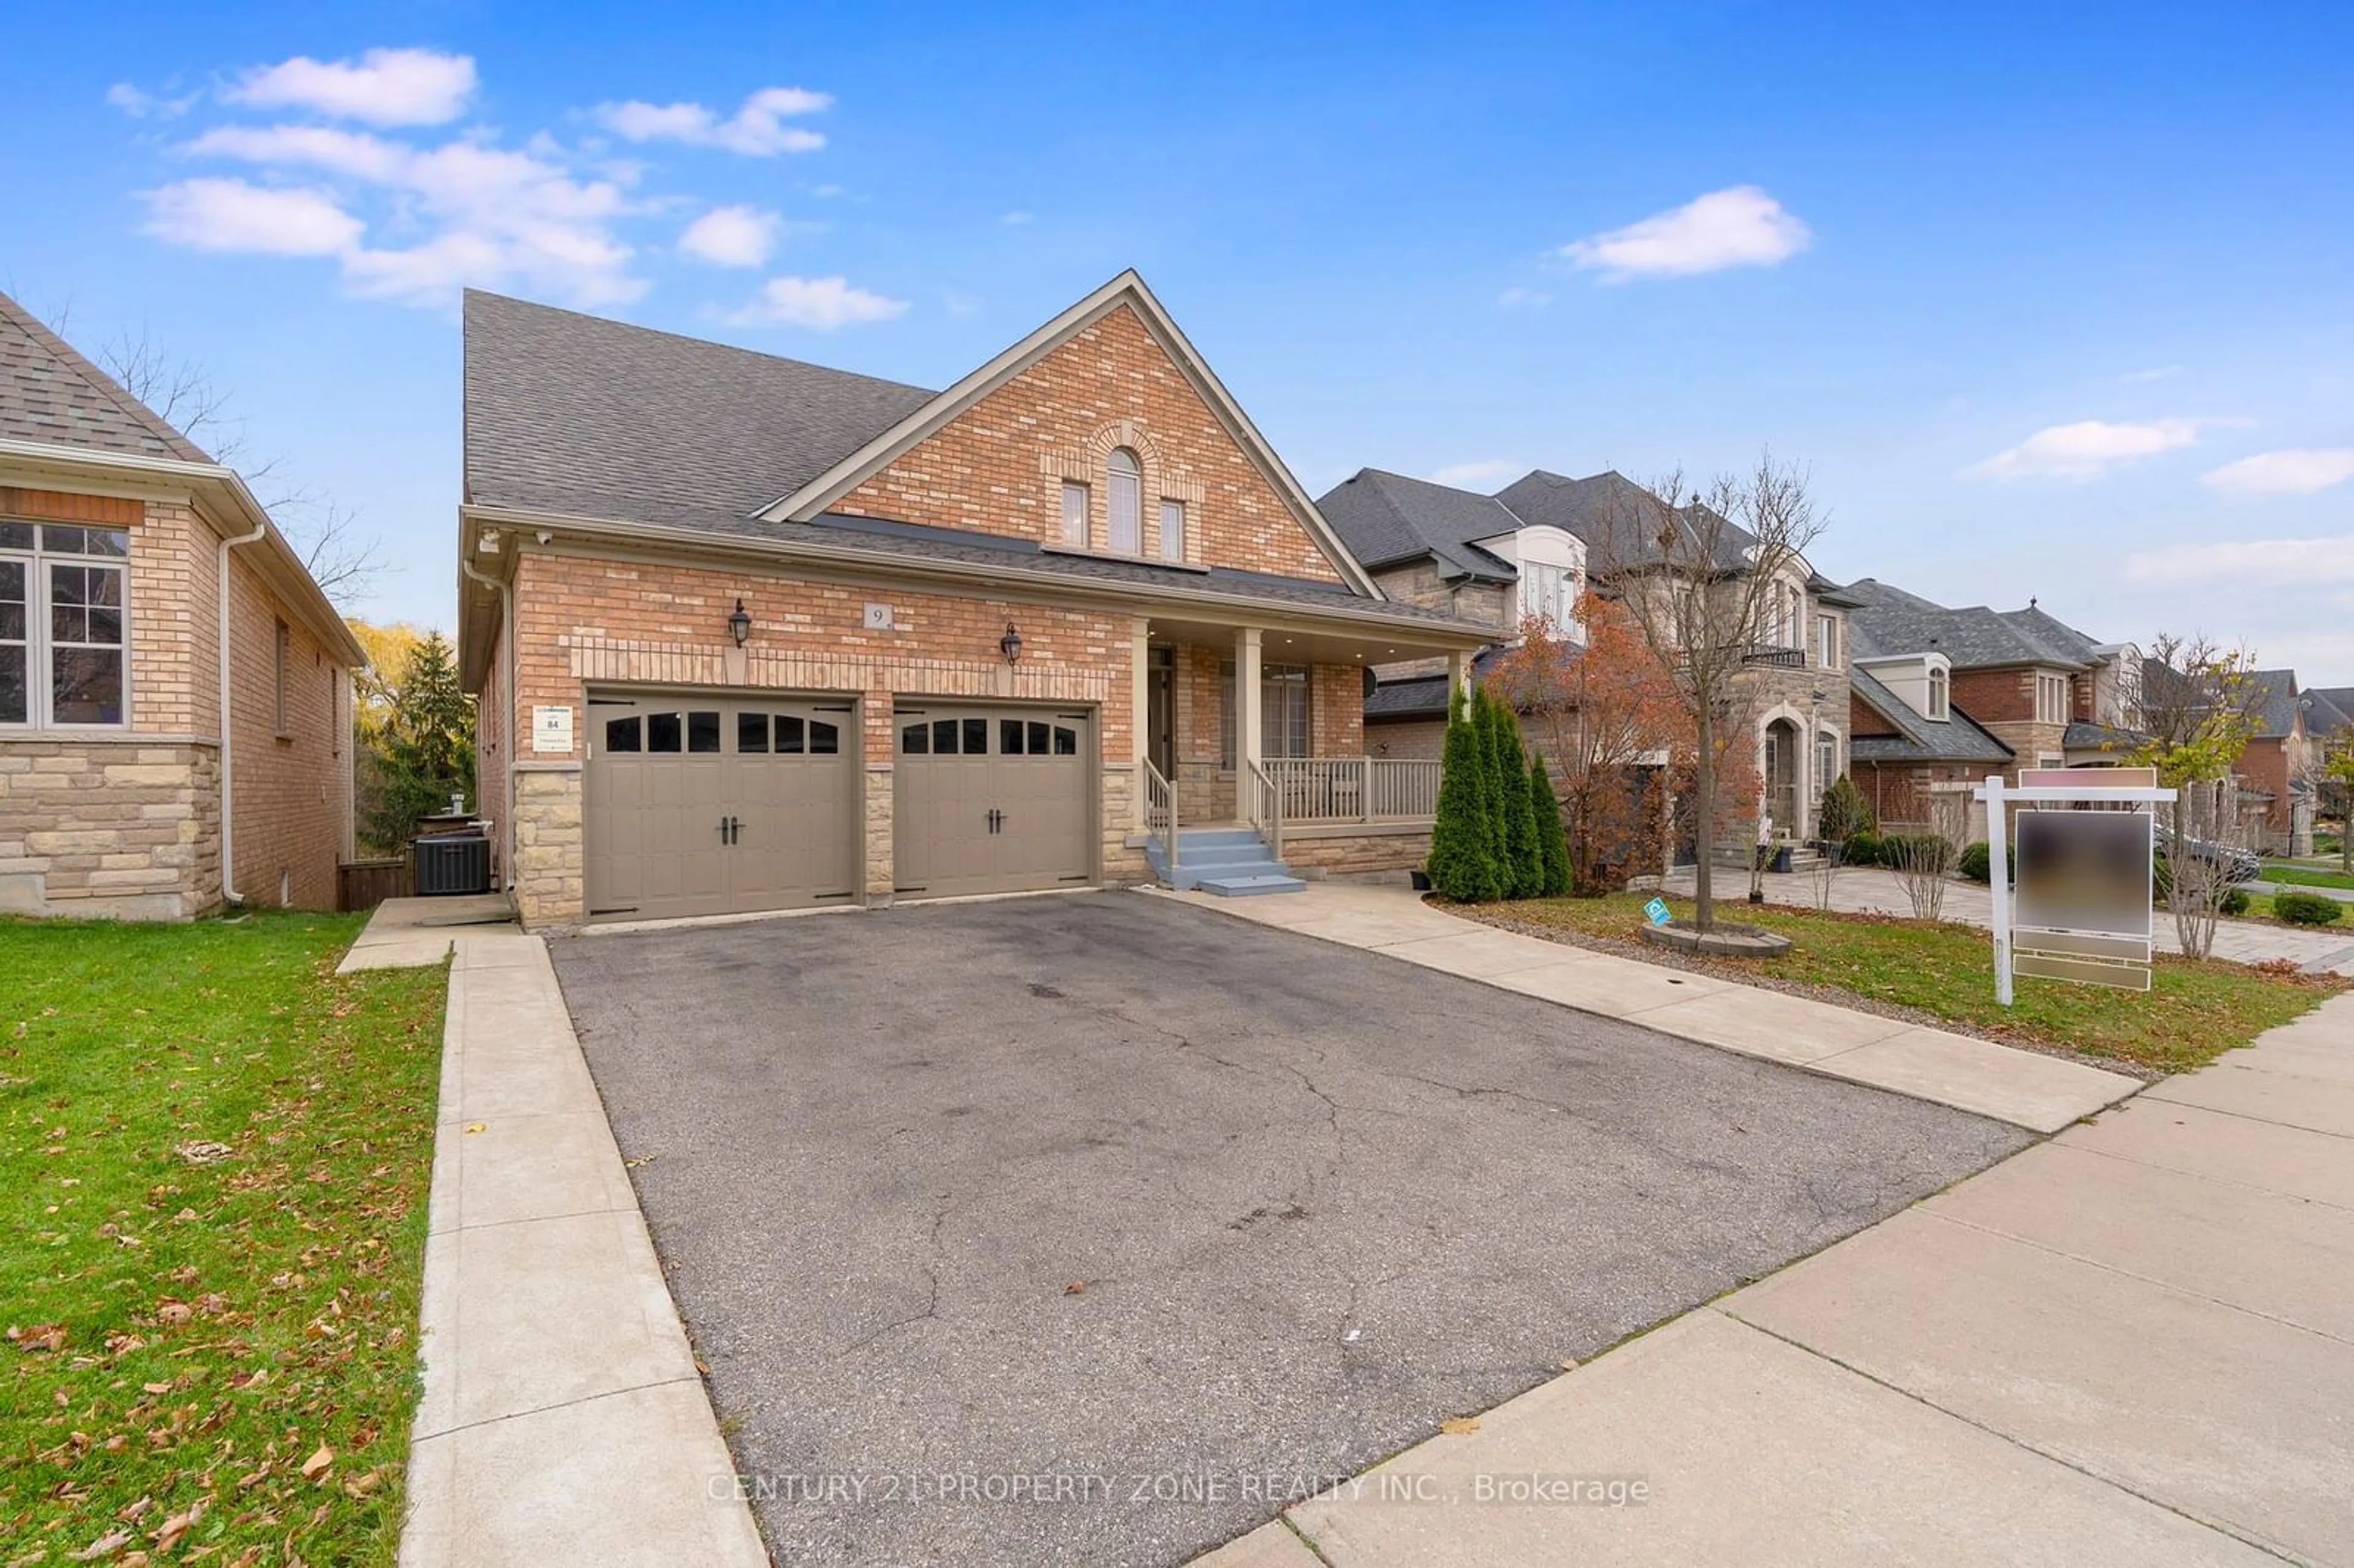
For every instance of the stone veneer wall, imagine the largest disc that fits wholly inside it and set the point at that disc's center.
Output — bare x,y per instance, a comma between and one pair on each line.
1351,852
127,828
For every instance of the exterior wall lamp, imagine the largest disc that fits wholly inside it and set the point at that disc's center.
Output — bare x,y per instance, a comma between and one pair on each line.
739,625
1010,644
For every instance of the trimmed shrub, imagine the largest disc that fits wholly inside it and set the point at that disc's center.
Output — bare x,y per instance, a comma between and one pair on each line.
2307,908
1553,839
1863,849
1845,811
1976,862
2236,901
1463,864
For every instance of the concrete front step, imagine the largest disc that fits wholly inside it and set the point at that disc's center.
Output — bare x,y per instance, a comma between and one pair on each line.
1251,886
1233,862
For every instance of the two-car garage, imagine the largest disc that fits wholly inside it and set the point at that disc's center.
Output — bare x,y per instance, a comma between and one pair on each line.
704,804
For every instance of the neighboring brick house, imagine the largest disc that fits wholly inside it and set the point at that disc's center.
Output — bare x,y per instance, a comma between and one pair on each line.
1530,550
136,703
2281,766
752,633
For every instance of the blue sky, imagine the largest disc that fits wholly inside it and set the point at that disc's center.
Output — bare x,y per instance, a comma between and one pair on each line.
2053,302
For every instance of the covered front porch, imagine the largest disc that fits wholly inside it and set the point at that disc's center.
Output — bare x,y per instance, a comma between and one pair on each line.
1259,730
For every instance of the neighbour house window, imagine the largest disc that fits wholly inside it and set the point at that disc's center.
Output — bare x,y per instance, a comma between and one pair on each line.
1940,695
62,629
1826,641
1826,768
2050,699
1075,513
1126,496
1550,594
1173,530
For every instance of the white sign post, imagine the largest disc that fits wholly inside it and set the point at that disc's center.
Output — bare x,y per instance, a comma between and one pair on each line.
2097,953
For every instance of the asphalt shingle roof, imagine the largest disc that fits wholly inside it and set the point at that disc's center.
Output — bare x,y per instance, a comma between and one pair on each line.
2333,708
1613,514
1385,518
49,393
1918,738
2275,702
1889,623
576,414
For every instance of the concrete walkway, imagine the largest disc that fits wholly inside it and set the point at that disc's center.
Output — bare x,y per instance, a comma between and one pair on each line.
416,933
2029,1089
1872,891
2132,1345
562,1419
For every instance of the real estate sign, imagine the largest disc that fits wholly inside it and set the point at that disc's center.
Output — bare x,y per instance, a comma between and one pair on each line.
2082,907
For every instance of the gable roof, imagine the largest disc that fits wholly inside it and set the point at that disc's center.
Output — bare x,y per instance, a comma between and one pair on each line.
1889,623
49,393
1918,738
575,414
1608,511
1386,518
801,502
2334,706
2275,706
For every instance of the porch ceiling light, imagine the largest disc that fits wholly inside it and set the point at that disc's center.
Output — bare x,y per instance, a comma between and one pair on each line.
1011,643
739,624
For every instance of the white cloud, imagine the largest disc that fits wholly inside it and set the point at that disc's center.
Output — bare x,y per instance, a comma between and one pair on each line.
357,153
731,236
1482,474
2296,472
1738,226
230,214
2155,373
758,130
2275,563
141,104
824,304
1519,298
2083,450
385,87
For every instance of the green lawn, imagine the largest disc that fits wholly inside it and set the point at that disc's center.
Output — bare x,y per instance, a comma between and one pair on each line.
211,1352
2193,1012
2305,876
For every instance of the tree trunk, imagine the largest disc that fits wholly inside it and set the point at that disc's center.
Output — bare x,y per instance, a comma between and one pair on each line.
1704,827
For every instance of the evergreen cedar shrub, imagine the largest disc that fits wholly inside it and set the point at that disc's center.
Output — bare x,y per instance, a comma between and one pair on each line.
1552,840
1863,849
2306,908
1523,853
1845,812
1978,863
1463,866
2236,901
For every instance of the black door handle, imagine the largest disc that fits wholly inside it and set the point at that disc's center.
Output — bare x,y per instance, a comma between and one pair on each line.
731,830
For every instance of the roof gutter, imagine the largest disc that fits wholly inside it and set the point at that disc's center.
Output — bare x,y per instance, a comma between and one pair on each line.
229,893
1446,632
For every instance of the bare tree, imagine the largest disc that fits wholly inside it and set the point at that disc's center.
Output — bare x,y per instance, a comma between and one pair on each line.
2201,705
1925,860
1698,570
341,558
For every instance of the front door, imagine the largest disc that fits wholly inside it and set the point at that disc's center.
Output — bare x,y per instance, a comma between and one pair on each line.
1161,712
1782,776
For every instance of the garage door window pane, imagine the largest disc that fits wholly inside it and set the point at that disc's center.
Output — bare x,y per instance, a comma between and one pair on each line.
824,739
1067,742
915,740
624,735
1009,737
788,735
751,733
703,732
944,737
976,737
1038,738
662,732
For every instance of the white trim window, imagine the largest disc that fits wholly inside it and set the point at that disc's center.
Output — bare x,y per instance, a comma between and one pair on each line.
1126,496
1075,514
1549,593
1826,649
1826,760
1941,695
1173,530
64,656
2050,699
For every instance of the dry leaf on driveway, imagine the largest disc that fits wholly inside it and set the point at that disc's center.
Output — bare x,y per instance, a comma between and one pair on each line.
1460,1425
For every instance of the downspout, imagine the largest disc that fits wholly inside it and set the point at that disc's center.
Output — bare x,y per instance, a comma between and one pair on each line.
229,893
506,714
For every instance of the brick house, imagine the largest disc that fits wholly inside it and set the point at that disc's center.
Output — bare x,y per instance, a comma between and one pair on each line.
751,633
174,690
2281,767
1944,694
1528,551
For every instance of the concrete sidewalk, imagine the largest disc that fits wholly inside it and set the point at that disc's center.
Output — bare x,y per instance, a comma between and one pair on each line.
2024,1087
2131,1345
562,1419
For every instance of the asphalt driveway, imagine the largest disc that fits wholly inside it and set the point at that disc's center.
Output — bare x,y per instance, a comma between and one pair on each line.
1086,1229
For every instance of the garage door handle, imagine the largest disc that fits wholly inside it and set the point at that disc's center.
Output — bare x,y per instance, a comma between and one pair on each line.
996,820
731,830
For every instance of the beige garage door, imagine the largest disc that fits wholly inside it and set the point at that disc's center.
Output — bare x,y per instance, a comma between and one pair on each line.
703,805
988,799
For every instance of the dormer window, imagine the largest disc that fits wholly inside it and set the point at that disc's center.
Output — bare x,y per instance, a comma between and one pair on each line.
1941,705
1125,496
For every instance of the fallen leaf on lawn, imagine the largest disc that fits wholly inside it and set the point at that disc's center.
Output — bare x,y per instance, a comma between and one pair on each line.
359,1486
156,1387
1460,1425
39,1336
106,1545
1075,1287
478,1127
133,1510
203,1151
174,1311
318,1464
168,1536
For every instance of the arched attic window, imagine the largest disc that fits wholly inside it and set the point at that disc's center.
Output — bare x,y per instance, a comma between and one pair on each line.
1940,694
1126,498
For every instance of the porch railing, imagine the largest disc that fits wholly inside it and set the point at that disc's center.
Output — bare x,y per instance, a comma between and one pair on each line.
1351,789
1262,802
1160,817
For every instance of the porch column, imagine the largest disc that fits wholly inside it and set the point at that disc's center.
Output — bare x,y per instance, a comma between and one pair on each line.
1247,712
1458,677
